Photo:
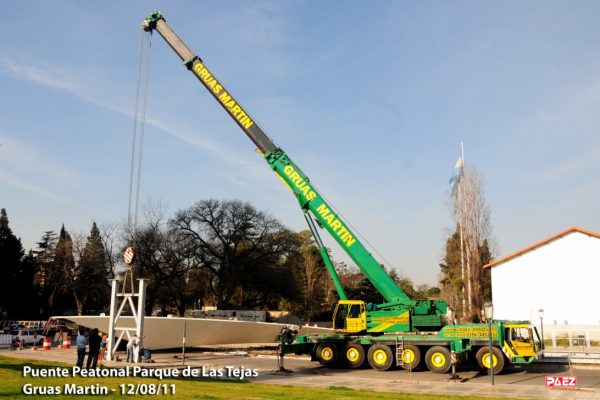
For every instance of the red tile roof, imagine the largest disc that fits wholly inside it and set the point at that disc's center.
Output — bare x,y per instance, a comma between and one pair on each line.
541,243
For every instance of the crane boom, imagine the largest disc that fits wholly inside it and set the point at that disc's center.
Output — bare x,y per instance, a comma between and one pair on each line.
308,196
399,312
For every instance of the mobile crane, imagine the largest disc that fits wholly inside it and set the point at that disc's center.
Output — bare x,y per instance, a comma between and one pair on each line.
400,330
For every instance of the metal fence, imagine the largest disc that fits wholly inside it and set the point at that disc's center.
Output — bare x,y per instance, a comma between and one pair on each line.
582,338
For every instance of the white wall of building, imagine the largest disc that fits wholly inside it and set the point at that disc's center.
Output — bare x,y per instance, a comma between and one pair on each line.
562,277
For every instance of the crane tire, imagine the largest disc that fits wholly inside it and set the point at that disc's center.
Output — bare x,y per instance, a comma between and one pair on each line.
438,359
411,357
327,354
354,355
483,359
380,357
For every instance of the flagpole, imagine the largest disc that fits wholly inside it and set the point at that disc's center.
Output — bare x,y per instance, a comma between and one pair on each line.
461,211
460,229
462,262
464,210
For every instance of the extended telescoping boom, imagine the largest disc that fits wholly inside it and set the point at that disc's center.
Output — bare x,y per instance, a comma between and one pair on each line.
409,314
380,328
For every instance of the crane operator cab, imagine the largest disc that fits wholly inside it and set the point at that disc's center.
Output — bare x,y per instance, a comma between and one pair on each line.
350,316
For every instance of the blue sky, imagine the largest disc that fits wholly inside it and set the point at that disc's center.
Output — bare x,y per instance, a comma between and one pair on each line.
371,101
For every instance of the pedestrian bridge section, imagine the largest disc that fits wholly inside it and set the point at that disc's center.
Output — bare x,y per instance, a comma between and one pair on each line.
168,332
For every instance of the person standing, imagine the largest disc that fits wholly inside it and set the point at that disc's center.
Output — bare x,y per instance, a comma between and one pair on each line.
102,354
94,342
81,342
136,349
133,342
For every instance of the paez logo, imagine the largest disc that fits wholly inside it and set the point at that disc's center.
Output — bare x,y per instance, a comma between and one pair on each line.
561,381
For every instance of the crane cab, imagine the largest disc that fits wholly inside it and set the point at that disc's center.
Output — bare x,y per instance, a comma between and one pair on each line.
355,316
350,316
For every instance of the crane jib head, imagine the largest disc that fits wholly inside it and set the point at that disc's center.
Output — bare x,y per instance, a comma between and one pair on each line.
150,22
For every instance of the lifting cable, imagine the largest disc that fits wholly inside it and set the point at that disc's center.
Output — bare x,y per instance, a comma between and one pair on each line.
141,116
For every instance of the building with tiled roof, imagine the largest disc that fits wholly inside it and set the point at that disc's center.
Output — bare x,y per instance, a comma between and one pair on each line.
560,274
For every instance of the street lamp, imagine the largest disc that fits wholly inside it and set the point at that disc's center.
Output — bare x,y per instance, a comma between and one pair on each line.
488,312
541,314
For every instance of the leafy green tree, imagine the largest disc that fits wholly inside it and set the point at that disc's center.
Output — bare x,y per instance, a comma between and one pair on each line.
270,281
422,291
61,274
483,284
89,286
189,290
30,304
452,282
365,291
310,278
360,288
404,283
11,253
43,258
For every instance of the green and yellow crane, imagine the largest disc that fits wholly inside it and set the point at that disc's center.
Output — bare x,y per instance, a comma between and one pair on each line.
401,331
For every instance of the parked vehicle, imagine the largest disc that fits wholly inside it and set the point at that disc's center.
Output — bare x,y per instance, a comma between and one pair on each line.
28,336
13,327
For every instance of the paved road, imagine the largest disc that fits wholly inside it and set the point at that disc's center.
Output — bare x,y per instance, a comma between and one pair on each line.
522,382
526,382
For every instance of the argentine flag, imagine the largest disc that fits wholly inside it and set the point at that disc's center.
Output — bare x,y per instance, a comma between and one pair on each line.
456,174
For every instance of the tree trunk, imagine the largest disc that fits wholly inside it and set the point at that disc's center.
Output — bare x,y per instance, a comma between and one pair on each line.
79,303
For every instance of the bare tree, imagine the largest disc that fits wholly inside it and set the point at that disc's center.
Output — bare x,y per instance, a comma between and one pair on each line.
243,249
162,257
470,283
109,233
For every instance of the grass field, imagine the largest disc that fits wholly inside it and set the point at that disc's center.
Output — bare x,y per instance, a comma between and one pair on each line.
12,385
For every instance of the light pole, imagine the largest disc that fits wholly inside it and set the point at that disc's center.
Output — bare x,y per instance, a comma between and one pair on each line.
488,312
541,314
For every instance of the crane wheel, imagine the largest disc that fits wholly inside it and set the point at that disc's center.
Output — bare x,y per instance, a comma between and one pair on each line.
380,357
438,359
354,355
327,354
411,357
483,359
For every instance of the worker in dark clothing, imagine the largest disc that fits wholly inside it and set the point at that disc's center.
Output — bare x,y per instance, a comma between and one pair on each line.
94,348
